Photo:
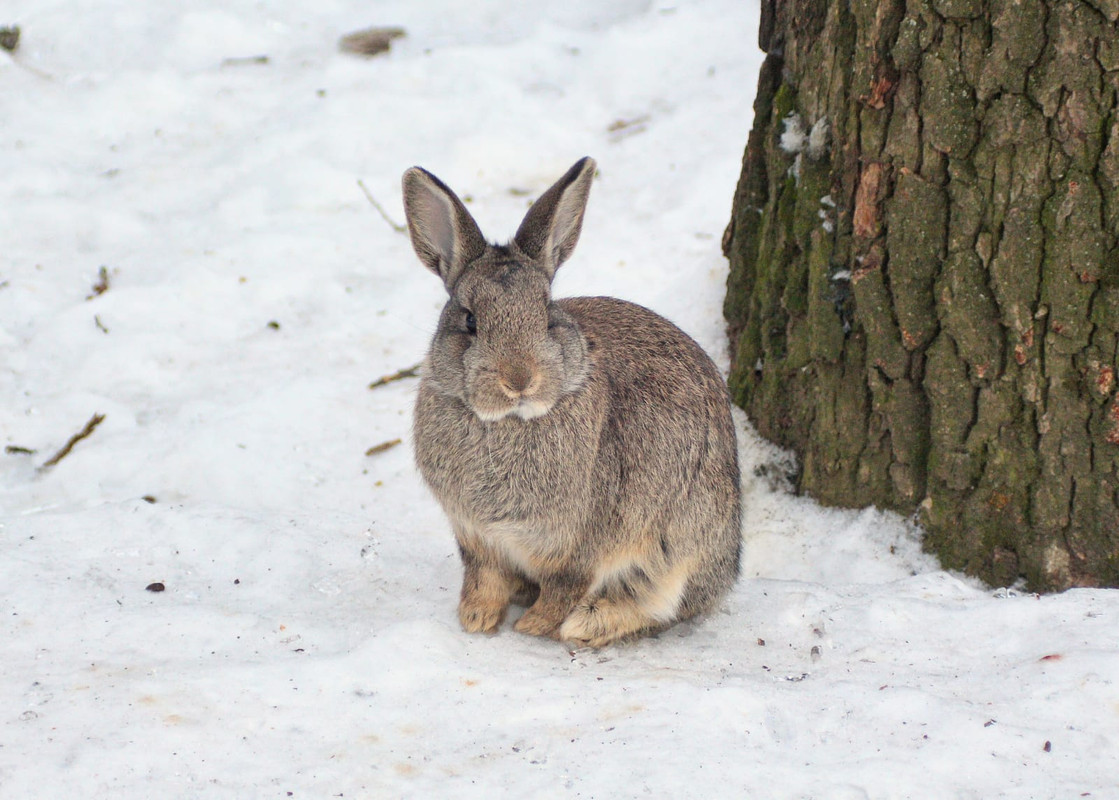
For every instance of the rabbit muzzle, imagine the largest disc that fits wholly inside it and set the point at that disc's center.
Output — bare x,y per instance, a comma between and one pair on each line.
518,380
513,386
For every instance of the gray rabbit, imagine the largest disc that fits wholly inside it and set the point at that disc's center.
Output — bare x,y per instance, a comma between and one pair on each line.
583,448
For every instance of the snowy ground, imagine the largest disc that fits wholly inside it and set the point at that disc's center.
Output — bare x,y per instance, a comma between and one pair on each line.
306,644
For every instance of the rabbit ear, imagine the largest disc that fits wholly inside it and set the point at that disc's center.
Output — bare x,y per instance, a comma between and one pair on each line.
551,227
444,235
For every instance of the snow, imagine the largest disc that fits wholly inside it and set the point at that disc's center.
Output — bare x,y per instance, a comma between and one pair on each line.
306,644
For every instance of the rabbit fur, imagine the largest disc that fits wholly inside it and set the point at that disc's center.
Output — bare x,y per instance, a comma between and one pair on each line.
582,448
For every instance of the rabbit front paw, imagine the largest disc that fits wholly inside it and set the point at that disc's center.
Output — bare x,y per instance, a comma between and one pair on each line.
480,617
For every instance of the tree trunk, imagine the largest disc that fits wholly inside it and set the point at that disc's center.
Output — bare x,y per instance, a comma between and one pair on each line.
924,292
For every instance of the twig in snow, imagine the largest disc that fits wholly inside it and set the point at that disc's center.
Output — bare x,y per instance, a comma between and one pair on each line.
9,40
15,449
102,284
382,447
401,374
381,210
89,428
100,325
621,128
244,61
38,73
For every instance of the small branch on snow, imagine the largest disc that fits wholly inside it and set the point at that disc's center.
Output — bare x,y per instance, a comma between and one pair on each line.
9,40
244,61
409,372
380,209
89,428
621,128
382,447
102,284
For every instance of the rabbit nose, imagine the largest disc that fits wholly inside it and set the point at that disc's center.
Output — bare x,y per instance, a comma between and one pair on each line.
518,379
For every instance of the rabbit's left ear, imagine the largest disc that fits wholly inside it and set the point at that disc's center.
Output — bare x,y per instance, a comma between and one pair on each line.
550,229
444,235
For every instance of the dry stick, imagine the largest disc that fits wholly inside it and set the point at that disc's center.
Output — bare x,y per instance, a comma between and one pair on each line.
376,205
399,375
382,447
90,426
102,284
241,61
9,40
38,73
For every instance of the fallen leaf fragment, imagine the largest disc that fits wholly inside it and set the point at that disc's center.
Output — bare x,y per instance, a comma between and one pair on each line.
369,42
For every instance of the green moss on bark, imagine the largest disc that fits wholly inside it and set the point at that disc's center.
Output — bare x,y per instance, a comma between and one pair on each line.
942,334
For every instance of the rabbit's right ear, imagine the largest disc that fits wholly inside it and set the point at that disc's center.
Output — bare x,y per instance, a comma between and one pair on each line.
551,227
444,235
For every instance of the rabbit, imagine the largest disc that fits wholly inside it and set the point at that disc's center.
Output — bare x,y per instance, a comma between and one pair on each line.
582,448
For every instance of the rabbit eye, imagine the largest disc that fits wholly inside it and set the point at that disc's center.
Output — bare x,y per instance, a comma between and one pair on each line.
471,323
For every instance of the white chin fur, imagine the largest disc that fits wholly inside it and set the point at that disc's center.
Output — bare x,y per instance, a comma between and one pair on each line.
528,409
532,410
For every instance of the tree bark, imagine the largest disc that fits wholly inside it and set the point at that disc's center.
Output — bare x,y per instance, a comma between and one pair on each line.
923,300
